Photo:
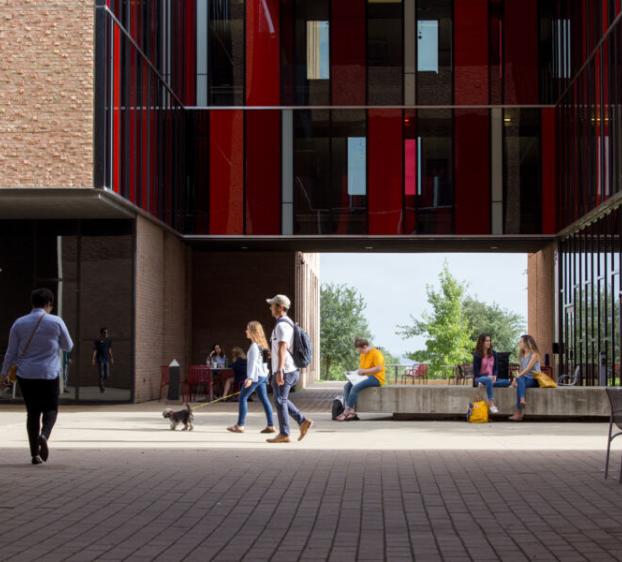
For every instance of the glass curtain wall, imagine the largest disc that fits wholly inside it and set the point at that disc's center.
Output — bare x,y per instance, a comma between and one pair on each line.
89,267
589,121
143,154
589,301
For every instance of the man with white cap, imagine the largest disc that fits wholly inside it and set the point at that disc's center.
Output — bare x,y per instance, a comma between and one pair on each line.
286,373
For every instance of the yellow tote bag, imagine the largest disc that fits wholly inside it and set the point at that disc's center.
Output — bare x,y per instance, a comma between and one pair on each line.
477,412
544,381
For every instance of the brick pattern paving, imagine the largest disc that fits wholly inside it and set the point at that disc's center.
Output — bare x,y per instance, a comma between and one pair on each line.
282,505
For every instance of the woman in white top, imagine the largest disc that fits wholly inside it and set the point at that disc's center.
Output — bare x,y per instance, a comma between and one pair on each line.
256,379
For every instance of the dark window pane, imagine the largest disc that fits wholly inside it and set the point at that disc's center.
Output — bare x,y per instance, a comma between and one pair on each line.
522,178
384,53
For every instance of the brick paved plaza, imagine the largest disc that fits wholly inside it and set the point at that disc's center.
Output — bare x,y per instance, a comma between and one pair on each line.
121,486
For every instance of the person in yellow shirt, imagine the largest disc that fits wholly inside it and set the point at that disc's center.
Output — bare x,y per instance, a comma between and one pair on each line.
371,366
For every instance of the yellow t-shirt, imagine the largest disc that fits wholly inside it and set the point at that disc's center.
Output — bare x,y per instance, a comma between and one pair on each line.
373,358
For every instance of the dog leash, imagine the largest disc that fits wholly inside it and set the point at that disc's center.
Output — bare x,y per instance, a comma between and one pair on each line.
203,404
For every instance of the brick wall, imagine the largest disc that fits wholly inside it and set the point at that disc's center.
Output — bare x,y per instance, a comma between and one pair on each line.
46,93
161,307
541,298
229,289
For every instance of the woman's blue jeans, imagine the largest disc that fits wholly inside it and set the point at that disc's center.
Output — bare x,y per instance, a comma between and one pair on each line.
262,391
489,384
351,392
522,384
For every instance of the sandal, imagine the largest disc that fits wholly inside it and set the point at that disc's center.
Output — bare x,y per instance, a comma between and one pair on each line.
235,429
341,417
351,416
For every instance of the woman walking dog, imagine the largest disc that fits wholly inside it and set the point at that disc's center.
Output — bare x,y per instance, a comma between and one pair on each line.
256,379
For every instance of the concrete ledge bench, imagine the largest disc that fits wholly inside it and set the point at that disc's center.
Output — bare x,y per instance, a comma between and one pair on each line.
439,401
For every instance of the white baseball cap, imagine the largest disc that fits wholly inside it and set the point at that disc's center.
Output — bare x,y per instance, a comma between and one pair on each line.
281,300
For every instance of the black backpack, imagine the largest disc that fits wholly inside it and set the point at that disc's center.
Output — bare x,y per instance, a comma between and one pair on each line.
302,352
337,408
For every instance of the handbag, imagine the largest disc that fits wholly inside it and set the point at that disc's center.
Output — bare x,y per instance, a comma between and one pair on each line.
478,412
544,381
12,370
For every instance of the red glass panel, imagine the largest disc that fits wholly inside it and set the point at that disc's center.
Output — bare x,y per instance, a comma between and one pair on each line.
130,151
521,51
262,52
410,171
385,167
116,101
471,51
144,143
263,172
199,148
348,46
549,195
226,172
472,172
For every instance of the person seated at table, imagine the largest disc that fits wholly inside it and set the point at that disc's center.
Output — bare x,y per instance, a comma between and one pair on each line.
238,366
529,357
217,358
256,379
486,369
371,366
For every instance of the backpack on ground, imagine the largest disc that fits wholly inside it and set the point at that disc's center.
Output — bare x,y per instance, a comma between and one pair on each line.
302,350
337,407
477,412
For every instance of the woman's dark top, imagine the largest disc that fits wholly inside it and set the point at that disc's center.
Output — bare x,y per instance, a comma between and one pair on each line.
239,370
477,365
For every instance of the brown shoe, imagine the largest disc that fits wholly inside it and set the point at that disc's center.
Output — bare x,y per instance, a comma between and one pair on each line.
235,429
268,429
305,426
279,439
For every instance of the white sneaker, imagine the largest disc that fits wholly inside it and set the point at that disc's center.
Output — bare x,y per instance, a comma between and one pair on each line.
494,410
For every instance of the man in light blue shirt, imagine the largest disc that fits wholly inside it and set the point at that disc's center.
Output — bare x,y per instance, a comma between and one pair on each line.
35,344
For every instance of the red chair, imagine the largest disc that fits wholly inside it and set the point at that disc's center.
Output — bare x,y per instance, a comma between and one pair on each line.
199,376
422,373
416,374
409,374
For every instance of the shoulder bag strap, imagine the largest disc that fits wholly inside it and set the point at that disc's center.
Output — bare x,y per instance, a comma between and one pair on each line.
32,335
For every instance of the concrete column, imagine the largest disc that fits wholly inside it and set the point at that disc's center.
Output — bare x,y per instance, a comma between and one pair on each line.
541,298
308,308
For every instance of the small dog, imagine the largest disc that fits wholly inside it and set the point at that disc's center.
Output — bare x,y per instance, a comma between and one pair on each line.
180,416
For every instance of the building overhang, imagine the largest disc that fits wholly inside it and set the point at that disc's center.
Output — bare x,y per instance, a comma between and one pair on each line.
381,244
91,203
60,203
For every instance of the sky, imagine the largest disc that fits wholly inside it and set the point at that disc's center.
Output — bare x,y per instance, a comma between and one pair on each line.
394,286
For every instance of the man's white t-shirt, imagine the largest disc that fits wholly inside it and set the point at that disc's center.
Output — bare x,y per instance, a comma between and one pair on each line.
283,331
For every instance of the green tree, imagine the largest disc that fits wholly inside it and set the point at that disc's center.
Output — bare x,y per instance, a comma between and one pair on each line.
504,326
446,329
342,319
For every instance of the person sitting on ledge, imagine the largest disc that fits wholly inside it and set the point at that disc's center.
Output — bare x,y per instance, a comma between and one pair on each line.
486,369
529,356
371,365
